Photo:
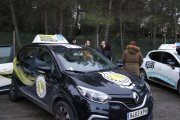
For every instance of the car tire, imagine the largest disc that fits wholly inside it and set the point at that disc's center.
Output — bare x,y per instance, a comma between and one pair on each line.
143,75
62,111
178,88
13,92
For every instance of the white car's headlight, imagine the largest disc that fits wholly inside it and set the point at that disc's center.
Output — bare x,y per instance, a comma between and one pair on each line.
94,95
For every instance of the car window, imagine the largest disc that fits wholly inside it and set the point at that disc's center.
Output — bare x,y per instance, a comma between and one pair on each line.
44,59
156,56
28,55
5,55
167,57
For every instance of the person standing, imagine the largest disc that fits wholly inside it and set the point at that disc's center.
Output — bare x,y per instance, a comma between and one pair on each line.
132,58
73,41
87,43
105,49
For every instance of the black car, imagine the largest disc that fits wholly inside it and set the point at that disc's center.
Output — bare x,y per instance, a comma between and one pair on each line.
78,83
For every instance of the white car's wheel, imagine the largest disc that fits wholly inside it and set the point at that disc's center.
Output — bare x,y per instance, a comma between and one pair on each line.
143,75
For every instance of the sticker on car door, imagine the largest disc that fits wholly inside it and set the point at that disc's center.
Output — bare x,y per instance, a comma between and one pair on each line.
41,86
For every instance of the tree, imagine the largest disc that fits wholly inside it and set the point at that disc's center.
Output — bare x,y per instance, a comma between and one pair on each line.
95,15
14,22
107,24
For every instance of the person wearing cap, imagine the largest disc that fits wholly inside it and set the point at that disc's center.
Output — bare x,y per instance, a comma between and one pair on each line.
132,58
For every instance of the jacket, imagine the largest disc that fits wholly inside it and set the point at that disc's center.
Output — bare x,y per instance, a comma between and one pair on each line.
132,58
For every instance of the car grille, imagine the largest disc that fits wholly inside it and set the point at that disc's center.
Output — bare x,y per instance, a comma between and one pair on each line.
129,102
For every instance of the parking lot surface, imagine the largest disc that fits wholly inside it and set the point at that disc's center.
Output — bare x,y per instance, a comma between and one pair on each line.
166,107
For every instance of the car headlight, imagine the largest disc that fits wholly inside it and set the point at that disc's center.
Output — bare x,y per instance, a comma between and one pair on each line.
94,95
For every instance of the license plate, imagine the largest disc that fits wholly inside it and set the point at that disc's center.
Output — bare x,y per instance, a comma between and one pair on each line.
137,113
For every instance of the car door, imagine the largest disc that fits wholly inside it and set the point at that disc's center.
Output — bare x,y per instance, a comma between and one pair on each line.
169,73
152,65
25,69
48,76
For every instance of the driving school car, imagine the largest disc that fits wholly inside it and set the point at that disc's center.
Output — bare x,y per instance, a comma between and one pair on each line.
77,83
163,66
6,66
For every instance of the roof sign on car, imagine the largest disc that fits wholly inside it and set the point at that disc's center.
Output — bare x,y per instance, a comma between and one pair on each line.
167,47
57,38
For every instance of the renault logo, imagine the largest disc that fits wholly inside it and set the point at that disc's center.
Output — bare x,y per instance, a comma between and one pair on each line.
135,97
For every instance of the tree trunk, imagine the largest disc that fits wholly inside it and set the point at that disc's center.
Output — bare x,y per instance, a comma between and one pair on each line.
97,36
121,33
154,24
121,28
61,20
76,20
175,23
107,25
45,17
15,23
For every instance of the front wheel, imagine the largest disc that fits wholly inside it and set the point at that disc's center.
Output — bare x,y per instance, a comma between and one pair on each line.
62,111
13,93
143,75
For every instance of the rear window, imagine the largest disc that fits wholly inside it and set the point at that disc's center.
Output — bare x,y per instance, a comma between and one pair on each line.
5,55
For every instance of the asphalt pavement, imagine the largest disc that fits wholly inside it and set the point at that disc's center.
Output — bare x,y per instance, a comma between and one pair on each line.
166,107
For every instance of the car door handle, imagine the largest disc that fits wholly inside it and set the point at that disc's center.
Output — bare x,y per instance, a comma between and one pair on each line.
40,71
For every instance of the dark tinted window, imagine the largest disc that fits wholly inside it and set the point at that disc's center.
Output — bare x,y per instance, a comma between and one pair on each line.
156,56
167,57
44,59
28,55
5,54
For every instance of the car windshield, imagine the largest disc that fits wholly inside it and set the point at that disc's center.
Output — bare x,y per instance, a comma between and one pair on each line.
178,56
5,54
82,59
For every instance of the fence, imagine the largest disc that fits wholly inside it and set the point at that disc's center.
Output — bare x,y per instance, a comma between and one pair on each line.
145,44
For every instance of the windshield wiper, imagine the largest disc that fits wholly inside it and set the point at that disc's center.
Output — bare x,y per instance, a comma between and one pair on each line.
76,71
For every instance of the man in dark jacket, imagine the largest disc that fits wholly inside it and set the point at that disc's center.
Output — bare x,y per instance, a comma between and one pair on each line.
132,58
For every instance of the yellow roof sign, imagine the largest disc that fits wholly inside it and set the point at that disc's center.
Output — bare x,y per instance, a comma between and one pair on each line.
57,38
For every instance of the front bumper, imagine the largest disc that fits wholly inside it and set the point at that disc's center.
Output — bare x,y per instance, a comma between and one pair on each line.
114,110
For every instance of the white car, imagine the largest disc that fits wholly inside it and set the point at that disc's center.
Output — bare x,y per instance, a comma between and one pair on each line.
6,66
162,66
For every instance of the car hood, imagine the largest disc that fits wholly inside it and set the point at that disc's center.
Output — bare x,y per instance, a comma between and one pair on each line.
114,82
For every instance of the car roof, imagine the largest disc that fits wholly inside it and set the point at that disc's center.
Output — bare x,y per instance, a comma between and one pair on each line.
169,51
6,45
50,45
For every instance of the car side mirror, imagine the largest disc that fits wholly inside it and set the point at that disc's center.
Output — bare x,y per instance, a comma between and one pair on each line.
119,63
172,64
